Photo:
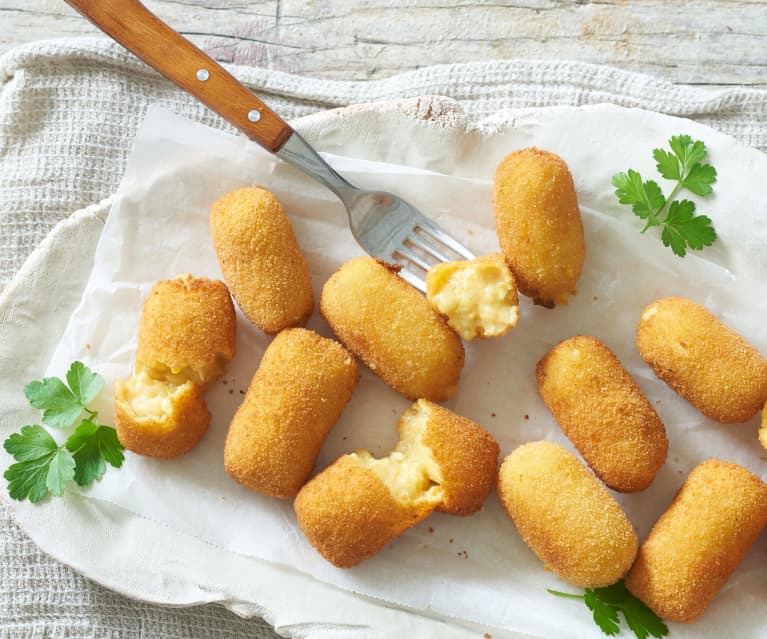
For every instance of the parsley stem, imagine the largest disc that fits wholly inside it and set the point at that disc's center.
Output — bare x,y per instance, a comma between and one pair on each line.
566,595
664,209
92,414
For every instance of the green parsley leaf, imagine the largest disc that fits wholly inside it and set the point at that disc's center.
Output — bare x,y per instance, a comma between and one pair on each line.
699,179
91,446
59,405
605,615
42,466
85,384
605,604
667,164
645,198
681,228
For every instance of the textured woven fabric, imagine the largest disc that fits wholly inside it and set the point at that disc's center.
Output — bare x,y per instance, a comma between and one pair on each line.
68,114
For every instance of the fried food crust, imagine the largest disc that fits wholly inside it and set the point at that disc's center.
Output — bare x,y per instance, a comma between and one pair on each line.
293,401
186,339
261,260
171,434
706,362
393,329
603,412
348,514
478,297
539,224
466,454
699,541
187,329
566,516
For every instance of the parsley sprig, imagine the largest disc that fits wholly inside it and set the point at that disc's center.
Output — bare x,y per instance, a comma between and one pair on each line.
681,228
43,466
605,604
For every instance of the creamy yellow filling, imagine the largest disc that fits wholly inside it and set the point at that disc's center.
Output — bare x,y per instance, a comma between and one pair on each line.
410,472
477,297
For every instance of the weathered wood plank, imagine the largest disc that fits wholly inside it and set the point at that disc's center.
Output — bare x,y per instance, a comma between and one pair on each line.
709,43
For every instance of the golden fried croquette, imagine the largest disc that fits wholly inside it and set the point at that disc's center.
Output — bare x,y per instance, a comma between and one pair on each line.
261,260
706,362
348,513
699,541
359,504
464,452
187,330
293,401
566,515
603,412
477,297
763,428
393,329
186,339
539,224
158,418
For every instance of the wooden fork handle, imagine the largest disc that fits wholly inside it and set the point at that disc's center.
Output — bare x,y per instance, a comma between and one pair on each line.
141,32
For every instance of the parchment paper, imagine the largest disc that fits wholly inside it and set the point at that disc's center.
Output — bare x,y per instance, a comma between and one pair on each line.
475,568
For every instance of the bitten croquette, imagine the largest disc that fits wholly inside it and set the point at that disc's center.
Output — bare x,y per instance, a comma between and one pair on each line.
260,259
186,339
295,398
603,412
706,362
359,503
477,297
566,516
699,541
388,324
539,224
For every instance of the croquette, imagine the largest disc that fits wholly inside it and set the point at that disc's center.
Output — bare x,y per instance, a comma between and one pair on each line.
706,362
539,224
390,326
295,398
699,541
359,504
161,419
477,297
566,516
603,412
260,259
186,339
187,330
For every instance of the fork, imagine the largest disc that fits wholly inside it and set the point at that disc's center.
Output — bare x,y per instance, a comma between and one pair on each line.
384,225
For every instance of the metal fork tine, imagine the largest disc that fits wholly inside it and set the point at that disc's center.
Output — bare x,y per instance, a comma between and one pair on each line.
426,247
445,239
410,278
412,257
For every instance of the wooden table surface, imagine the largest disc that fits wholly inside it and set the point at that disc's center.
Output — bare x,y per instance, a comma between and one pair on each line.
702,43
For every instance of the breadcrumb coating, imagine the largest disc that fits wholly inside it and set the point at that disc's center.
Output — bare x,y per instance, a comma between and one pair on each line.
603,412
159,419
466,454
706,362
185,342
699,541
390,326
187,330
349,514
539,224
566,516
261,260
295,398
359,504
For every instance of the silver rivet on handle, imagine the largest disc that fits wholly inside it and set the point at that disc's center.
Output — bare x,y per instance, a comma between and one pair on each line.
254,115
203,75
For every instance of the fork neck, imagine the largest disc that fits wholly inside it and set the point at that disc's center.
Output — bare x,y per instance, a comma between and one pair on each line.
299,153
